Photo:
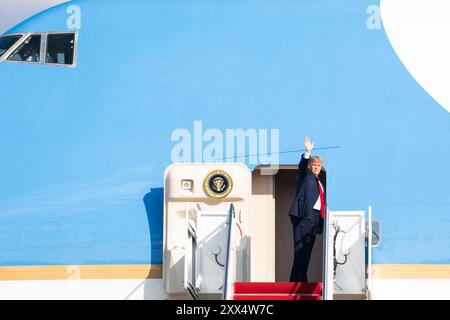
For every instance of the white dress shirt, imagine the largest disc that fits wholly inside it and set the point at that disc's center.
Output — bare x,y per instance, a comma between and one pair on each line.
318,204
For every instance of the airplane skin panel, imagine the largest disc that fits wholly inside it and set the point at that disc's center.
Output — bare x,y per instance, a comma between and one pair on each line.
13,12
417,30
87,147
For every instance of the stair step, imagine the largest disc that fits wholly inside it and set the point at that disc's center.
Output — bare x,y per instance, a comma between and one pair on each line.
277,297
278,288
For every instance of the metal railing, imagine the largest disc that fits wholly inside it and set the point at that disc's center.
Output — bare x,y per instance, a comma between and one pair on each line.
226,285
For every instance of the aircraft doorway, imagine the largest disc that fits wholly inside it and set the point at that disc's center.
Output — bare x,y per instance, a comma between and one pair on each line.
272,198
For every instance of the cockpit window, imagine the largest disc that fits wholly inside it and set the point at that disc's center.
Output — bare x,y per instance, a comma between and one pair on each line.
29,50
60,48
7,42
57,48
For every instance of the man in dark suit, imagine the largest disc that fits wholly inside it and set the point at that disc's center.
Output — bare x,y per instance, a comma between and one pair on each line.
307,211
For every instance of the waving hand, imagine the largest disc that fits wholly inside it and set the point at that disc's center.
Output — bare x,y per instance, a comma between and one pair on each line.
309,145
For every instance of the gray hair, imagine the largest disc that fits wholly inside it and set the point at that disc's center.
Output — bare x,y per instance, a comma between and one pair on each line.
314,159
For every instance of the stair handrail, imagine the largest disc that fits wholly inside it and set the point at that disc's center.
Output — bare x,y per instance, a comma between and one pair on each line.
229,226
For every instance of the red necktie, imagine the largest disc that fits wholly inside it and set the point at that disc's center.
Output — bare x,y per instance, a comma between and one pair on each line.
322,200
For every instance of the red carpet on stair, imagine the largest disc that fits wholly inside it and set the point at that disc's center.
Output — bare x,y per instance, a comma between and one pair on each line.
277,291
277,297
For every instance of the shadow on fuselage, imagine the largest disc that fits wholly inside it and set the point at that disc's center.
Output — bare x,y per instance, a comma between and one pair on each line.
154,207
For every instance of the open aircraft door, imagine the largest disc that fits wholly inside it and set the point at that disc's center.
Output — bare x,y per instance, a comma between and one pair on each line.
197,201
347,255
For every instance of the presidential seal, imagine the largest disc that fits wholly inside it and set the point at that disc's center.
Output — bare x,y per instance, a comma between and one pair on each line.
218,184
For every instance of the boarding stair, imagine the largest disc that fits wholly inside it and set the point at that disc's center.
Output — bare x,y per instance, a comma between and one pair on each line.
266,290
277,291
